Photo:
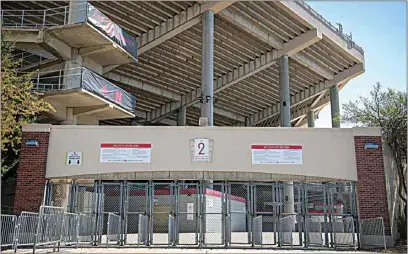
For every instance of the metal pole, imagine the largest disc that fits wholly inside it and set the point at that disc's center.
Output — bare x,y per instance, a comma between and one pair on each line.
310,119
22,19
335,106
45,13
207,67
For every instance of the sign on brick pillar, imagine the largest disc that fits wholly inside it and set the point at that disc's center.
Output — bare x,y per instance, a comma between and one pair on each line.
31,171
371,184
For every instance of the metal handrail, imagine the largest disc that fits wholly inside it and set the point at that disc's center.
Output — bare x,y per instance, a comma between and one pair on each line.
25,18
346,37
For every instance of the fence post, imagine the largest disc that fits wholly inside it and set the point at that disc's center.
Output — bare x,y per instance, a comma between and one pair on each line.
45,13
65,15
22,19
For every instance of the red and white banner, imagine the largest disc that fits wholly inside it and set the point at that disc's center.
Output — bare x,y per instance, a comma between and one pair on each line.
125,153
276,154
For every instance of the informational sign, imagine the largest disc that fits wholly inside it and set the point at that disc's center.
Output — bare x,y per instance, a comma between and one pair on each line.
74,158
125,153
190,211
276,154
201,150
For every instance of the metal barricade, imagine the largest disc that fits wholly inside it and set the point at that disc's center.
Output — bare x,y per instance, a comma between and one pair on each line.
7,226
26,229
86,229
372,233
313,230
70,229
49,227
286,229
143,230
113,229
343,232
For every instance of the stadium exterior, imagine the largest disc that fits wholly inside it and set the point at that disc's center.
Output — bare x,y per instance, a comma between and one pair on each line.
189,86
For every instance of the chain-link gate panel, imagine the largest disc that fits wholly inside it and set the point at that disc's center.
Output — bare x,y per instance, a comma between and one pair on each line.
187,214
317,210
239,210
59,194
136,205
85,200
213,214
266,206
342,213
110,201
162,204
291,213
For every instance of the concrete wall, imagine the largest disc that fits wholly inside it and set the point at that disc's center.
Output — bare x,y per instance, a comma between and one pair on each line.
326,152
391,178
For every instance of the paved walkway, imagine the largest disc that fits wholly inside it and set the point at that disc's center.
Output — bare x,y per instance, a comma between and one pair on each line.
156,250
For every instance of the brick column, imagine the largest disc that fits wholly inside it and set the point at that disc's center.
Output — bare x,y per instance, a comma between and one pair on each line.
31,169
371,184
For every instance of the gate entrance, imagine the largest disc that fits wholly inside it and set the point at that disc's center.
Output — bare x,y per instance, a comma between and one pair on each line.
211,214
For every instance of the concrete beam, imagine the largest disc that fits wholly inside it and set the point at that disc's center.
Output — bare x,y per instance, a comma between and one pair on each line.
176,25
307,62
306,94
165,110
235,76
82,111
317,100
34,36
252,28
299,11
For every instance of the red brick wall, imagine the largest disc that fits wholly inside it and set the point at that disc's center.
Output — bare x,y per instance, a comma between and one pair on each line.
31,173
371,186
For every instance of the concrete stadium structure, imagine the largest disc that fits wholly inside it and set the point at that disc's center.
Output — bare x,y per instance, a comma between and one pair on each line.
239,65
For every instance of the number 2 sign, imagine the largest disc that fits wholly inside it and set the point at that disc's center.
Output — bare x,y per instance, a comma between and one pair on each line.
201,150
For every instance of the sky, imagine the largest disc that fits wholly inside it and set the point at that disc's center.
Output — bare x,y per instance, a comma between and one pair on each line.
380,28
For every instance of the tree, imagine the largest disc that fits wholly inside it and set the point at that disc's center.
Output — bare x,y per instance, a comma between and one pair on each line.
388,110
19,105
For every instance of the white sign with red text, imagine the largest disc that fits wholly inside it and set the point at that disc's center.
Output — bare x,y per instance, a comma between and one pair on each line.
125,153
276,154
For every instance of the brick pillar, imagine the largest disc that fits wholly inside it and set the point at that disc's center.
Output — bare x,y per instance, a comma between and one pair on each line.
31,169
371,185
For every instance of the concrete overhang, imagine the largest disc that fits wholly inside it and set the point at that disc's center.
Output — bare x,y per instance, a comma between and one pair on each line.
85,103
61,40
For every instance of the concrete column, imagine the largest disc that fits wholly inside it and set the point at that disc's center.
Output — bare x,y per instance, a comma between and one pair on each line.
181,117
284,91
207,67
335,105
311,119
77,11
70,119
288,196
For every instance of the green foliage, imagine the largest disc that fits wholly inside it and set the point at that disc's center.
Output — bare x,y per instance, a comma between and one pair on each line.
19,105
388,110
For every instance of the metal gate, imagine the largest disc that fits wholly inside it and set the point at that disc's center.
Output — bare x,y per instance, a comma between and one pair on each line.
162,210
266,211
135,210
239,211
110,200
214,217
291,219
187,214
